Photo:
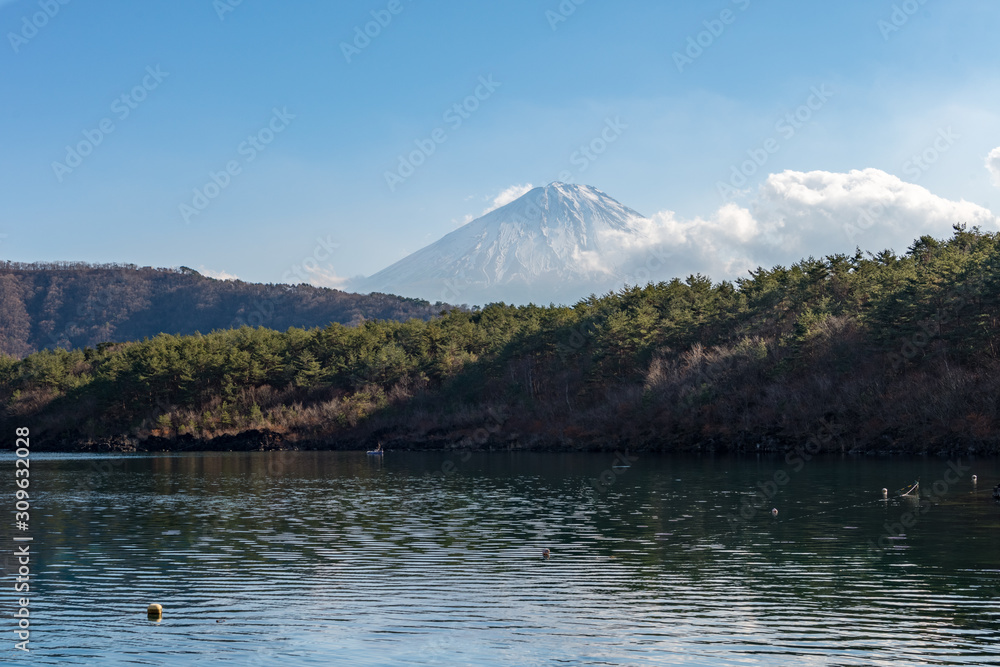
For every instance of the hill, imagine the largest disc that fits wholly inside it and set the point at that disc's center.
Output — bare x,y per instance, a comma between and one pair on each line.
848,353
76,305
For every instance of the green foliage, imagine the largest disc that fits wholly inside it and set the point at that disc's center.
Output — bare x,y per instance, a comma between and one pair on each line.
776,321
807,322
256,416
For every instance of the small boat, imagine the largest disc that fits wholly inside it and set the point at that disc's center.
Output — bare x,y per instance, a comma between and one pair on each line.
911,490
378,451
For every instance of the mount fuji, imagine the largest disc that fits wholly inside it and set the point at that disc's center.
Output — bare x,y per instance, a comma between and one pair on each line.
557,243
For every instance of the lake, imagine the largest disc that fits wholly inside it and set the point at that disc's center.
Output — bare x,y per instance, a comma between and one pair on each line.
319,558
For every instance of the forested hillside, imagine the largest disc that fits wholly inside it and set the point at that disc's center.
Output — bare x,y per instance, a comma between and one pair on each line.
76,305
876,352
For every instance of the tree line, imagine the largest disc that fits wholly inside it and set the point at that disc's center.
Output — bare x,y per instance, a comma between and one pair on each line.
883,351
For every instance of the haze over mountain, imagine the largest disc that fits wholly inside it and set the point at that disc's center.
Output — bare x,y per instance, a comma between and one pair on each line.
557,243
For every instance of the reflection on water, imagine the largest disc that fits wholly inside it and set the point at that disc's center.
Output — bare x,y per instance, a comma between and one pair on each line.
290,558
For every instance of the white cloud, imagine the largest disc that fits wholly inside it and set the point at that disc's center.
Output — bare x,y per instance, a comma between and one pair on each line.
792,216
320,276
993,165
821,212
218,275
507,196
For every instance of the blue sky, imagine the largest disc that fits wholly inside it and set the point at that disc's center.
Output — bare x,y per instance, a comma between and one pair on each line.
201,77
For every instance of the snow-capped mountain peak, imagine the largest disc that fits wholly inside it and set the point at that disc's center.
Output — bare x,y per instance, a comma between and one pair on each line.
547,245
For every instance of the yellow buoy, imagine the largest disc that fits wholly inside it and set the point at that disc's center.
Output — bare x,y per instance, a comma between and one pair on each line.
154,611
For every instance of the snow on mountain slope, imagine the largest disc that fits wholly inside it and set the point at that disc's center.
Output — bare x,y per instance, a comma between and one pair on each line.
553,244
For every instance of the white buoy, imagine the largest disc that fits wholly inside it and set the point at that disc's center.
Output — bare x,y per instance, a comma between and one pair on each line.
885,493
774,512
974,479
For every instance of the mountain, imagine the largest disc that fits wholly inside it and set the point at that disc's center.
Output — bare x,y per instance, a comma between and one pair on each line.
553,244
81,305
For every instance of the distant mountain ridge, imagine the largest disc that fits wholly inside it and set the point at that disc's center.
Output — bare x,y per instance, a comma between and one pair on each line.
76,305
547,245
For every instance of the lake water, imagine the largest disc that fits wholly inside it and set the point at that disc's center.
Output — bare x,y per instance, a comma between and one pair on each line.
306,558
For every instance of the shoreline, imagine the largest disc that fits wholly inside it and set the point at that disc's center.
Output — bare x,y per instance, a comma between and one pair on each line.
265,441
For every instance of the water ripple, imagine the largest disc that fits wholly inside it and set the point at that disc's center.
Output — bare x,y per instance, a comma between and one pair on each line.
341,560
